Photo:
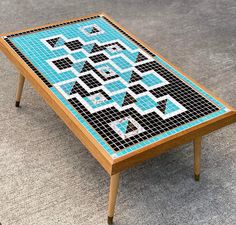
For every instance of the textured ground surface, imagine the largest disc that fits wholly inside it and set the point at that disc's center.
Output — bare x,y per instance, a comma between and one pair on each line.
48,177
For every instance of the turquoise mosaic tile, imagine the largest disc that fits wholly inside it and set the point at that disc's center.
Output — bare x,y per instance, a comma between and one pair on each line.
124,95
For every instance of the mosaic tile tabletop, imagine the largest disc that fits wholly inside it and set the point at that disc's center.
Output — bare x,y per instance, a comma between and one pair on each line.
122,93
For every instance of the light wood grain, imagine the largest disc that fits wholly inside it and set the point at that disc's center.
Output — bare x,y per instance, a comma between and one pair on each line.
197,157
20,85
114,185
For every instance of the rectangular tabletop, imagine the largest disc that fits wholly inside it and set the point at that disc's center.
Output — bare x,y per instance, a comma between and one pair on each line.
123,100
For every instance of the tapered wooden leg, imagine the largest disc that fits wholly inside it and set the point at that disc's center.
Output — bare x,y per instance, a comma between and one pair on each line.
21,81
114,185
197,157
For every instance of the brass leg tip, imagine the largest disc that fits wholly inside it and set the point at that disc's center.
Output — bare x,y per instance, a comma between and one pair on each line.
197,177
110,220
17,104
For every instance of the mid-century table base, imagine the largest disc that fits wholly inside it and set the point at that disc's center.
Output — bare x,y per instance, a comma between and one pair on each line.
114,179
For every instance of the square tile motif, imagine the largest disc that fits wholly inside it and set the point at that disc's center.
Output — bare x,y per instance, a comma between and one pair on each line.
107,72
97,98
114,48
127,127
91,30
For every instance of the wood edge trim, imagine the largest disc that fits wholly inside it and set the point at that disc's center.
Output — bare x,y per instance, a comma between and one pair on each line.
74,125
167,61
142,155
52,24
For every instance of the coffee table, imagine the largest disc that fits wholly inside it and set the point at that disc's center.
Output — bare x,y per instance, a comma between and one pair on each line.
124,101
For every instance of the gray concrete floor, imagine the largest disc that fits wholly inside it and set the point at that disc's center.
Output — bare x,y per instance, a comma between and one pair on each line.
48,177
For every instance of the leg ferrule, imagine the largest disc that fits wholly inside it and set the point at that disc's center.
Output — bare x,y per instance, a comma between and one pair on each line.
17,104
197,177
110,220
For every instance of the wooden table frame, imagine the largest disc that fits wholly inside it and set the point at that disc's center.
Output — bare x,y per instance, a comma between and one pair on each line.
114,166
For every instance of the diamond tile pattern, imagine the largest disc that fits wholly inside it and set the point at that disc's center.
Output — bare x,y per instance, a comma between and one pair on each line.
125,95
